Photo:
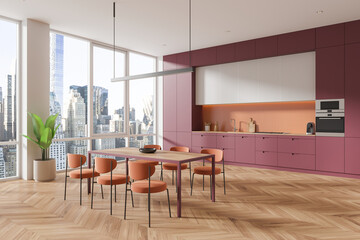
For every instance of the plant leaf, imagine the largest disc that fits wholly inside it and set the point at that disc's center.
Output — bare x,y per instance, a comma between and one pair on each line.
50,121
37,143
46,138
56,130
38,125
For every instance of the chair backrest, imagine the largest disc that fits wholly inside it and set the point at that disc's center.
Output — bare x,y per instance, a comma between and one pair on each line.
74,160
180,149
140,170
158,147
103,165
219,154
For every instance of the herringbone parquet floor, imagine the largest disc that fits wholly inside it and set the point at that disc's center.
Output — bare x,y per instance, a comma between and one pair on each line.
260,204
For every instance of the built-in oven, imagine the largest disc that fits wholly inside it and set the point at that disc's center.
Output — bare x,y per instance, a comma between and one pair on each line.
330,117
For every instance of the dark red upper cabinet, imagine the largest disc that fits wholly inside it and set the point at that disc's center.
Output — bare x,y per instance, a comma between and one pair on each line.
330,73
352,32
266,47
245,50
169,62
183,60
352,86
225,53
296,42
330,36
203,57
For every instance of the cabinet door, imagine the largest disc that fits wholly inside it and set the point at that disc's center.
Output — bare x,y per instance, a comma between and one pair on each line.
183,102
266,143
352,155
266,158
225,53
225,141
330,36
170,103
266,47
169,139
304,145
229,154
296,160
203,57
296,42
269,81
352,32
330,154
245,149
183,139
196,140
330,73
208,141
169,62
352,86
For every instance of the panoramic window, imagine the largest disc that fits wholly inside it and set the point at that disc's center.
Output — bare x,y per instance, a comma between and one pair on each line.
108,97
8,98
69,59
141,95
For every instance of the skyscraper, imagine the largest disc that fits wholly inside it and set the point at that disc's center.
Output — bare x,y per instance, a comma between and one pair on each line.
57,66
10,105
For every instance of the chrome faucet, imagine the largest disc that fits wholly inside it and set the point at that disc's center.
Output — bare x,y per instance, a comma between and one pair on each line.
234,121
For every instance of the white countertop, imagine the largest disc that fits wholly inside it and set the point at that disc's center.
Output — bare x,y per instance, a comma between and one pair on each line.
284,134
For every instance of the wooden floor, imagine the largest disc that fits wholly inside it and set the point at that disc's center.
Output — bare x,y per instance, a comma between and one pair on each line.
259,204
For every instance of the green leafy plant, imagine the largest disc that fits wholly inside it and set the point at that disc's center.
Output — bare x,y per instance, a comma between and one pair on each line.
44,133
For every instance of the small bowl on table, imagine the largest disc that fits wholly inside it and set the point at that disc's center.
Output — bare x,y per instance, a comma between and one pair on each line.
147,150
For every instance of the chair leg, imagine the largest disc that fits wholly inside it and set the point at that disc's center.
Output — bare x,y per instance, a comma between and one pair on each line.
172,181
125,199
192,183
115,192
80,189
176,182
132,197
92,192
110,199
161,173
65,181
167,190
210,188
203,182
149,205
190,172
102,192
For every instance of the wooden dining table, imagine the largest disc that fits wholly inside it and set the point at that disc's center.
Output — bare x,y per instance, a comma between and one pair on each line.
161,156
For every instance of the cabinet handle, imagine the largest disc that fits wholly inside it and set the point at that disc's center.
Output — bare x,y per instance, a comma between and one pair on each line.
201,147
263,151
223,136
293,154
293,139
223,149
263,137
202,135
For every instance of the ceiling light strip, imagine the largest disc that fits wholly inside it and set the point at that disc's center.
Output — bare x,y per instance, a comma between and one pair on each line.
153,74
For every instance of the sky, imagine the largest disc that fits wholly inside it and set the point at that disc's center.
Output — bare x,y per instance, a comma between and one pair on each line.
8,49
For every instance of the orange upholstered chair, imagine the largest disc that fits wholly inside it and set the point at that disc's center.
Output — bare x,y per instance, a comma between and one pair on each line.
207,170
139,171
106,165
173,166
77,161
157,147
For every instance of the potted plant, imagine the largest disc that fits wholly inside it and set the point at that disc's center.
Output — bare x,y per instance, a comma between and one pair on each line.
44,168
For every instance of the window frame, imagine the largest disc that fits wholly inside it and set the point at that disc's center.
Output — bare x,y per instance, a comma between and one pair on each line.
91,135
18,141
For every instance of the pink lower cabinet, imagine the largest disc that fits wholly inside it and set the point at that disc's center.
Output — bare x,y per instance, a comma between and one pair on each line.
266,158
226,142
330,154
266,150
245,148
183,139
205,140
296,160
352,155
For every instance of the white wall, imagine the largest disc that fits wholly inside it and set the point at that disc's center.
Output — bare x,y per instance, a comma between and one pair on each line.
34,86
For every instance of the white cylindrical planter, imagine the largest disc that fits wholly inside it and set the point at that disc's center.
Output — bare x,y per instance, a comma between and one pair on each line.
44,170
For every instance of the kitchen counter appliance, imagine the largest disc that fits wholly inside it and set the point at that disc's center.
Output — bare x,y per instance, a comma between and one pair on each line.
330,117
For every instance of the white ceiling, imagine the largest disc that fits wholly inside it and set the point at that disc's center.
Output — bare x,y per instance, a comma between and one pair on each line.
160,27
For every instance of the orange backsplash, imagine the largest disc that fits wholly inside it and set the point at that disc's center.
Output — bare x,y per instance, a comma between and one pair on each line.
290,117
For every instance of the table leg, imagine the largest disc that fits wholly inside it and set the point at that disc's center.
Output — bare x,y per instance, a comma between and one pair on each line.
213,178
89,166
179,190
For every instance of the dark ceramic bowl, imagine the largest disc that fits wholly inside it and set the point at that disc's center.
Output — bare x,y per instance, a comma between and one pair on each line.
147,150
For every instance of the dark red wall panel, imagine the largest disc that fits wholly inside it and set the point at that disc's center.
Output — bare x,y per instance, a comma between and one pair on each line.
296,42
203,57
225,53
330,36
245,50
352,32
266,47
